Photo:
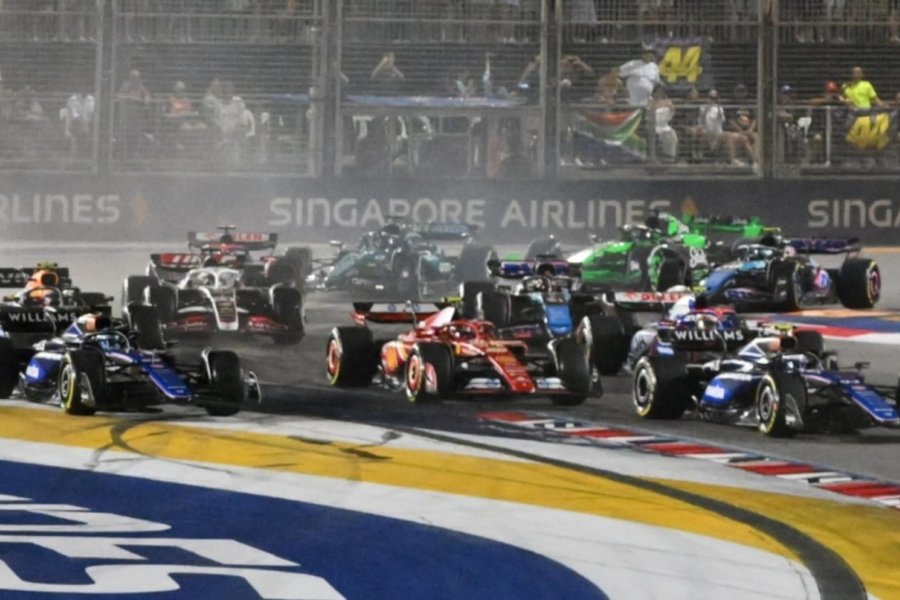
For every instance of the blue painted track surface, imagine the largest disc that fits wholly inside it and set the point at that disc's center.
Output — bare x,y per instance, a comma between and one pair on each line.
359,555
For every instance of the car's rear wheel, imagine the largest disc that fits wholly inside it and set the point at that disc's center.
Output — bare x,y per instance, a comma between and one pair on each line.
145,323
859,283
672,272
659,389
495,307
82,381
351,357
287,306
133,289
609,343
574,371
226,381
429,372
9,368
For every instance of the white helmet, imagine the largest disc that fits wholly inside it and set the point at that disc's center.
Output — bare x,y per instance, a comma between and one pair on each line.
681,307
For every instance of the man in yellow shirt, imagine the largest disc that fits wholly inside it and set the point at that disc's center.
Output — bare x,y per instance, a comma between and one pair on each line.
860,93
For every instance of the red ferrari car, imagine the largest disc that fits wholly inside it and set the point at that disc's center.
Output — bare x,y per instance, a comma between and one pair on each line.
445,357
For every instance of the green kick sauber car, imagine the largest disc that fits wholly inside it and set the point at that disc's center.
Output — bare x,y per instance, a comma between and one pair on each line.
663,252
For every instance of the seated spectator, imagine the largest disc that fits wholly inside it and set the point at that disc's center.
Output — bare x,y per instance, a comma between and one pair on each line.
711,127
610,88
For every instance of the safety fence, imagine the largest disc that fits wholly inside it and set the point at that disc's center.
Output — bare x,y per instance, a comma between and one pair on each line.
565,89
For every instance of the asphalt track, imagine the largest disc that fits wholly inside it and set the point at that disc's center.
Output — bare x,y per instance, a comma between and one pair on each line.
835,546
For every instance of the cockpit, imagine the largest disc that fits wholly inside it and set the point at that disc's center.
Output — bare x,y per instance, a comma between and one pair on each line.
213,278
108,341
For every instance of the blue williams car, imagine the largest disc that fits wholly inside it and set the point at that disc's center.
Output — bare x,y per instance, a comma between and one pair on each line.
775,378
99,363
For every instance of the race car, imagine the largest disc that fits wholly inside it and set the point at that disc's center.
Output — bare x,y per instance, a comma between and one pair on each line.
46,303
99,363
777,379
402,262
664,251
539,308
211,300
446,357
234,249
778,274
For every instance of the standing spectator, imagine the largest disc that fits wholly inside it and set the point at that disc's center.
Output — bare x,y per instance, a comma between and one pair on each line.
181,121
78,120
641,77
132,99
387,74
581,17
859,93
662,111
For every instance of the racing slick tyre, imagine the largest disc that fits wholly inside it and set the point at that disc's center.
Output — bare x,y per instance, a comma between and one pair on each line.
226,380
133,288
351,357
789,271
573,369
672,272
495,307
859,283
659,389
609,343
144,321
469,291
165,299
287,305
773,393
810,341
82,381
547,247
302,260
429,372
9,370
280,270
473,262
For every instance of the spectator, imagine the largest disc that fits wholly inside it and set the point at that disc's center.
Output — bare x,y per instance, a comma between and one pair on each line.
132,99
662,111
78,120
641,77
387,74
180,119
859,93
610,88
581,16
711,126
464,84
571,69
238,129
745,125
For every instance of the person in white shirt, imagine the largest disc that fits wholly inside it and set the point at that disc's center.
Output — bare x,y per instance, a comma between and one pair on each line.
662,111
641,77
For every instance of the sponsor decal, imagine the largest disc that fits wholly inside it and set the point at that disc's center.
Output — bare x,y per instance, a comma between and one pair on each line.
853,213
484,383
745,294
697,335
517,214
549,383
715,391
85,209
41,316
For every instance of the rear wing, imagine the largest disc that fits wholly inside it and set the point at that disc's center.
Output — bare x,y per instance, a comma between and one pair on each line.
825,245
17,277
251,240
176,261
14,319
397,313
445,231
518,269
648,301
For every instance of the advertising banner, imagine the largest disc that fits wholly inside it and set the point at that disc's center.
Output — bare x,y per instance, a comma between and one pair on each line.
162,209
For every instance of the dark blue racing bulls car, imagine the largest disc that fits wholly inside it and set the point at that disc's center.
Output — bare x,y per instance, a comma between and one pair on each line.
777,379
100,364
779,274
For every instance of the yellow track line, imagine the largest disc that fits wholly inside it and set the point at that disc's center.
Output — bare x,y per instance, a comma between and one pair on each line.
867,537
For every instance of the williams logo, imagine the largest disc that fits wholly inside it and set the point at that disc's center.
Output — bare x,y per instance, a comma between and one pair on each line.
41,317
705,336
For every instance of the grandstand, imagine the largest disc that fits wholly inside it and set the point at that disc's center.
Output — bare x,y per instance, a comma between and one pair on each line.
446,88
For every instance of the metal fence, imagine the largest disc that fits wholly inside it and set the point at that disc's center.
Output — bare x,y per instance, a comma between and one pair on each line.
447,88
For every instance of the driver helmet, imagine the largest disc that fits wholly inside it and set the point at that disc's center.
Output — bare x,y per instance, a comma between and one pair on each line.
682,307
205,278
536,284
458,332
